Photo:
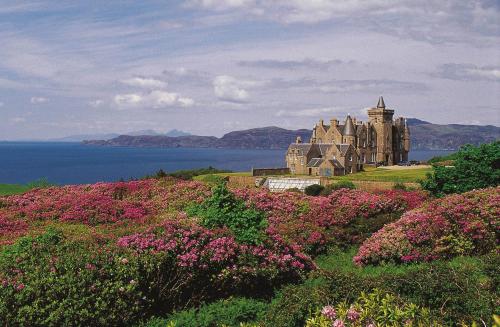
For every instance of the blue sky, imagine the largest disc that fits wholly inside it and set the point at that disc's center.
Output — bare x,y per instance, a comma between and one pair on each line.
212,66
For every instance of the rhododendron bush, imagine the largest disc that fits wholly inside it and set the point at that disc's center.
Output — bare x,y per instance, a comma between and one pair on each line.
97,203
216,255
464,224
318,221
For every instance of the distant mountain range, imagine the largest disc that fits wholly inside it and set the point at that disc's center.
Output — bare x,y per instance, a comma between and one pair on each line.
424,136
108,136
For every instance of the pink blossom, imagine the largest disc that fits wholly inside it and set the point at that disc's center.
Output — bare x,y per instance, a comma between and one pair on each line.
329,312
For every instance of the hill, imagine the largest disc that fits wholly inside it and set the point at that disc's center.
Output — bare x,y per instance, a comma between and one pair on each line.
424,136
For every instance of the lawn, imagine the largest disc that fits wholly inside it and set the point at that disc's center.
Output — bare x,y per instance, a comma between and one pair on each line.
9,189
387,175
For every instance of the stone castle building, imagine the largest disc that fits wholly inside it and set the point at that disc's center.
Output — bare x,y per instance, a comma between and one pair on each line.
343,149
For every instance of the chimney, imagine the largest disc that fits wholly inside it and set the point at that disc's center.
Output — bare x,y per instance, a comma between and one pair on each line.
321,122
298,140
334,122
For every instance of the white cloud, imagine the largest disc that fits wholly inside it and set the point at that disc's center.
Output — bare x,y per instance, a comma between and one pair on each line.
220,4
314,112
37,100
154,99
96,103
144,82
228,88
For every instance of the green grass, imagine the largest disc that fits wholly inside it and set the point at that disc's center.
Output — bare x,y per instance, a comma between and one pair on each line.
338,259
9,189
387,175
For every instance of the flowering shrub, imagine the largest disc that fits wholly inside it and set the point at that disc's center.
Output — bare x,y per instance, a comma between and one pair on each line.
465,224
215,257
97,203
315,222
373,309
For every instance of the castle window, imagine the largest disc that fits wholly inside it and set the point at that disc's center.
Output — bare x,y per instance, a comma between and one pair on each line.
302,161
350,157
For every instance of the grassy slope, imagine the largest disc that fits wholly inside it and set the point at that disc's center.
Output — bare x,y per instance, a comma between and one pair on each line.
9,189
371,174
387,175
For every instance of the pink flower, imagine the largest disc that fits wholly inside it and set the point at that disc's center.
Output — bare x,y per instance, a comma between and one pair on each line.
329,312
352,314
124,261
338,323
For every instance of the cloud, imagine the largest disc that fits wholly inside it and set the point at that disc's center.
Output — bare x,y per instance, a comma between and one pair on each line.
96,103
220,4
468,72
154,99
37,100
373,86
231,89
144,82
314,112
1,104
307,63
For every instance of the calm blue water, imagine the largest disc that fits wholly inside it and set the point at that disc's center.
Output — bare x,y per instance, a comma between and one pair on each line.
74,163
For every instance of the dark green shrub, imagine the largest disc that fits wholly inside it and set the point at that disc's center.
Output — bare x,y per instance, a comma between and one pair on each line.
337,186
223,209
313,190
464,289
294,190
399,186
230,312
474,168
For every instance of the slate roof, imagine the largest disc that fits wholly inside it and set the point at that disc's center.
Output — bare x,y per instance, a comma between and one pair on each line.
315,162
343,148
381,103
349,128
324,147
303,148
336,163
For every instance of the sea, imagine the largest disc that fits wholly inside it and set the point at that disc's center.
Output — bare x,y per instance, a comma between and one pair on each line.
75,163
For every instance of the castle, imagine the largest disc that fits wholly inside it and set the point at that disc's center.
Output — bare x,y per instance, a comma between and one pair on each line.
343,149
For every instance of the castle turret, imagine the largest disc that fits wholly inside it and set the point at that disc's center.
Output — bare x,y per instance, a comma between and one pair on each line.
349,132
381,119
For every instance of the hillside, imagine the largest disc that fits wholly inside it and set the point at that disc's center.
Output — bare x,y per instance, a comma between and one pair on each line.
424,136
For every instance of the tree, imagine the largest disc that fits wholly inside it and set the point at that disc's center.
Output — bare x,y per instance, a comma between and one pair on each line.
474,168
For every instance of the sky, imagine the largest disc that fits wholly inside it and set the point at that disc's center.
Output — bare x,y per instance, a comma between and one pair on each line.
213,66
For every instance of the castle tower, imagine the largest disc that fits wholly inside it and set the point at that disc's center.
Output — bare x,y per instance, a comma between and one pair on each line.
406,141
381,119
349,132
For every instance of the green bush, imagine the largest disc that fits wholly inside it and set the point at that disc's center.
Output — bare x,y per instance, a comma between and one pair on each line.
474,168
399,186
49,282
464,289
313,190
223,209
377,308
229,312
187,174
337,186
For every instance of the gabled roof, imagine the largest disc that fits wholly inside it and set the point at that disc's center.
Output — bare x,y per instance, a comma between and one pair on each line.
324,147
343,149
315,162
336,163
303,148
